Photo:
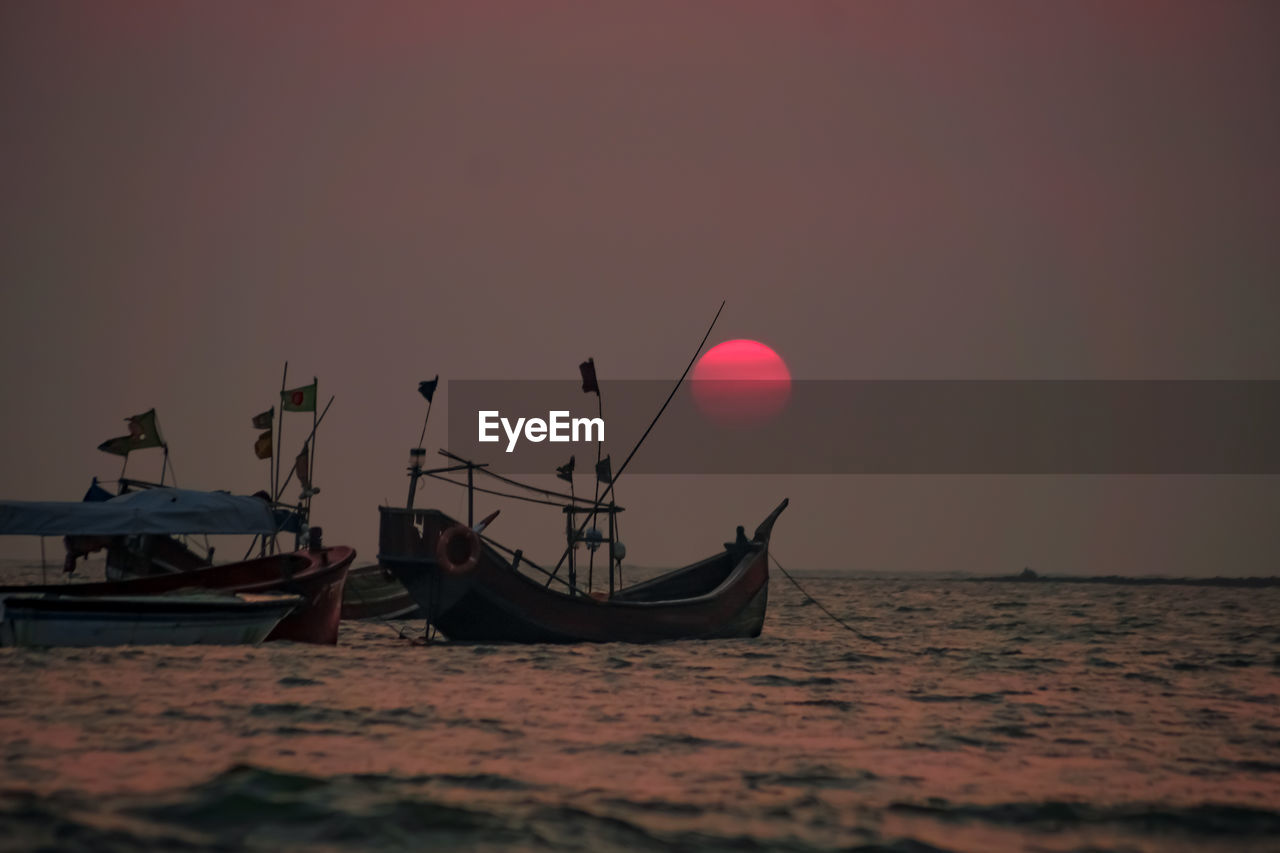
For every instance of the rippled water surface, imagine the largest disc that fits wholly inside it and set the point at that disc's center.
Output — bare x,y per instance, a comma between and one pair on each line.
962,716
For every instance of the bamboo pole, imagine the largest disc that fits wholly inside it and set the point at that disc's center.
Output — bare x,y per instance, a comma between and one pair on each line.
311,457
614,479
275,480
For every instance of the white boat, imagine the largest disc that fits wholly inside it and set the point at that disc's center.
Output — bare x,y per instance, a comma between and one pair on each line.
203,618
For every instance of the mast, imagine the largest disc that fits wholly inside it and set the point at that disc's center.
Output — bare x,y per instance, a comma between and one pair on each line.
275,477
613,479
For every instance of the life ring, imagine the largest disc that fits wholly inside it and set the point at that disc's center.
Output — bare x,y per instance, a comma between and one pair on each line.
458,549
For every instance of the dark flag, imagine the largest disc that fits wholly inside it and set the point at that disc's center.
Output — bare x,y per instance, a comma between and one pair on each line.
565,471
302,467
428,389
262,447
604,473
588,369
263,421
143,432
96,493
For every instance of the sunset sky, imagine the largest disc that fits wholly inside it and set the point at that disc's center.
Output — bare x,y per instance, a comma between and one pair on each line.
377,193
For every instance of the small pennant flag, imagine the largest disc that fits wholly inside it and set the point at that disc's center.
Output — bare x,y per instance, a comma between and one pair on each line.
428,388
143,432
262,447
588,369
565,471
604,472
301,399
302,467
263,421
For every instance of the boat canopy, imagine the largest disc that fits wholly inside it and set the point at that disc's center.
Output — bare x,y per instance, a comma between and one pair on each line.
161,510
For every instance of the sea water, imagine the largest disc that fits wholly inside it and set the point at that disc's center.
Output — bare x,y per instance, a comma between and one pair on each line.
947,715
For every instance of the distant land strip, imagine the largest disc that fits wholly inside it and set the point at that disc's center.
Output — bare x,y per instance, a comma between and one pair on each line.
1028,576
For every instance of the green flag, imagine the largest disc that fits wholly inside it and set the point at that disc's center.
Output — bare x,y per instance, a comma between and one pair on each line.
299,399
143,432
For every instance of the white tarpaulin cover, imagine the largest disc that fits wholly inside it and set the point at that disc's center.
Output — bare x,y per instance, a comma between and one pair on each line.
148,511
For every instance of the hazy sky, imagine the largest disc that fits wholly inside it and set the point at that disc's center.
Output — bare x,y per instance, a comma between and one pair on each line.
379,192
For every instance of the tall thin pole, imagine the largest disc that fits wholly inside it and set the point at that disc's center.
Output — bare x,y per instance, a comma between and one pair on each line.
471,495
284,484
609,487
595,505
570,521
610,555
164,466
423,435
271,475
275,482
311,457
276,498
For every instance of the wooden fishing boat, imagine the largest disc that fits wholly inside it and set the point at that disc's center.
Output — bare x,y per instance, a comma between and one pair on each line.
316,575
372,592
49,619
471,591
470,587
177,528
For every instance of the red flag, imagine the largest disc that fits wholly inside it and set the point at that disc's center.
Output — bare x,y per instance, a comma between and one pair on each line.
588,369
262,447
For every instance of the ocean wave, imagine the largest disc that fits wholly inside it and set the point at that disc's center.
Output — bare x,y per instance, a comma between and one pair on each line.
1207,819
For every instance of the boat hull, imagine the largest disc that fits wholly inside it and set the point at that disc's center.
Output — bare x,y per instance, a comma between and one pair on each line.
372,592
55,620
316,576
724,596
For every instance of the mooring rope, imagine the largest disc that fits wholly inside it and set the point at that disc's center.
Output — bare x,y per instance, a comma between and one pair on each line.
834,618
399,629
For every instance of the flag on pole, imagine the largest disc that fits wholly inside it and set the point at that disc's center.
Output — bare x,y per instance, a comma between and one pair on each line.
565,471
143,432
302,399
262,447
302,467
263,421
428,389
588,369
604,472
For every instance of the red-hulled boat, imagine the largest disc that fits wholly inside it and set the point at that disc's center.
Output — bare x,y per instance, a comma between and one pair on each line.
316,574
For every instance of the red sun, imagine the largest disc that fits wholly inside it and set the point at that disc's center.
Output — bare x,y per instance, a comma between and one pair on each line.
741,382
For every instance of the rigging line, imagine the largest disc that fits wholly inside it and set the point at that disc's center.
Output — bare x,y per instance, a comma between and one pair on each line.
654,422
494,492
519,484
384,620
523,559
834,618
604,498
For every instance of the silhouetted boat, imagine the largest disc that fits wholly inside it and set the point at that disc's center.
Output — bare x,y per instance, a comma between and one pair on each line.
372,592
169,545
317,574
470,591
50,619
472,588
